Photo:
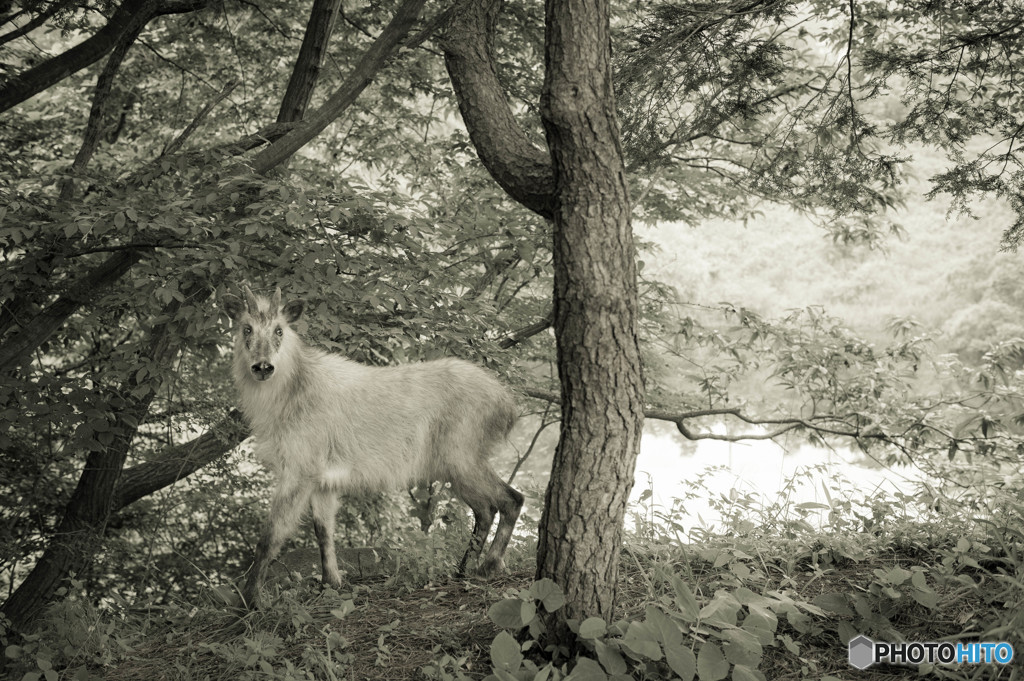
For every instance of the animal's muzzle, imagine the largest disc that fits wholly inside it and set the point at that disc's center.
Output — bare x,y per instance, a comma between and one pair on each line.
262,370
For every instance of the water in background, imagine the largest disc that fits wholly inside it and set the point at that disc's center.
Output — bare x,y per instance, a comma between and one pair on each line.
761,467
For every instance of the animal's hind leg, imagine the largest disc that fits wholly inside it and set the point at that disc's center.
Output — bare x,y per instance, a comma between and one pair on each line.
483,518
510,503
286,510
324,506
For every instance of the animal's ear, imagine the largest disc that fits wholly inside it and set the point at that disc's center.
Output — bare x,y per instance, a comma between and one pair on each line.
233,305
292,310
251,303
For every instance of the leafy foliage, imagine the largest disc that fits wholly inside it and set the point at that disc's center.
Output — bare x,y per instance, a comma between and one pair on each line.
406,250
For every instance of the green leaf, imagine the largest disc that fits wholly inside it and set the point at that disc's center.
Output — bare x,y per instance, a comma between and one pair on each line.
507,613
742,672
663,627
846,631
346,607
682,661
928,599
722,611
642,640
548,593
896,575
762,623
711,663
593,627
834,602
505,652
587,670
742,647
685,601
610,658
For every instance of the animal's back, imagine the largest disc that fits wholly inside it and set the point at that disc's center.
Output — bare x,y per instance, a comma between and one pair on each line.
386,426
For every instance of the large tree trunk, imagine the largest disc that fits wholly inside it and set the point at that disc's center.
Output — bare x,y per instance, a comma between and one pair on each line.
582,187
595,319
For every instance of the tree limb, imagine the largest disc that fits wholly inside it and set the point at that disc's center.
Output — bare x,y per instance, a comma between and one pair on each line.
98,111
372,60
818,424
310,60
517,164
522,334
180,461
129,18
36,331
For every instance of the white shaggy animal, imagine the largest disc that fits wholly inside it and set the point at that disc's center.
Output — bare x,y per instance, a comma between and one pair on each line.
325,424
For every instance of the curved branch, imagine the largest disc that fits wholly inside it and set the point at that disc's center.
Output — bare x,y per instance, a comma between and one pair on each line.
817,424
519,166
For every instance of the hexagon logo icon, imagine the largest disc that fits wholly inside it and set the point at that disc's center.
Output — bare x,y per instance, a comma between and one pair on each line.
862,652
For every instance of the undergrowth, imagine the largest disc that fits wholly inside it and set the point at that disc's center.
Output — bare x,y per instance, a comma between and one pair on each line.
774,591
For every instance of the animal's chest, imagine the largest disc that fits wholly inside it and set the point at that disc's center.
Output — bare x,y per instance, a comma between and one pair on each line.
294,450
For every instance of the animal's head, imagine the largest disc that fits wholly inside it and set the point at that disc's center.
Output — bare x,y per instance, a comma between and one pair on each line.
262,328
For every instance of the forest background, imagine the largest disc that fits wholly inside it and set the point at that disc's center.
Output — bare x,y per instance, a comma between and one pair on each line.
776,153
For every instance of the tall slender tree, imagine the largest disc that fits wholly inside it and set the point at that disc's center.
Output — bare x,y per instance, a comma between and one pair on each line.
580,184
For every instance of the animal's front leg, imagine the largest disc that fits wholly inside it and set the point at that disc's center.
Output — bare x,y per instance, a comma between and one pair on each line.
286,510
325,506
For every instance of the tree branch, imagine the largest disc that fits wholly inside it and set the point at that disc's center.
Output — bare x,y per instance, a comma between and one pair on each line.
369,64
310,60
818,424
36,331
517,164
179,141
129,19
98,111
522,334
180,461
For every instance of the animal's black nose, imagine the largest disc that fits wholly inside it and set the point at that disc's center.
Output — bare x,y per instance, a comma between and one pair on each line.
262,370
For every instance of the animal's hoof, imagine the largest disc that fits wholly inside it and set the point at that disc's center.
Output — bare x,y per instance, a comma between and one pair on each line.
338,584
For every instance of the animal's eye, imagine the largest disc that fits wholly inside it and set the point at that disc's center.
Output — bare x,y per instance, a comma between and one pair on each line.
247,330
278,331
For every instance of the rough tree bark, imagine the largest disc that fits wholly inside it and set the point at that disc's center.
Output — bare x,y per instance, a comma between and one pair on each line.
596,306
582,186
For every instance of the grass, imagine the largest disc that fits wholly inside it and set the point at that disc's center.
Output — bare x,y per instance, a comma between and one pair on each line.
776,598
